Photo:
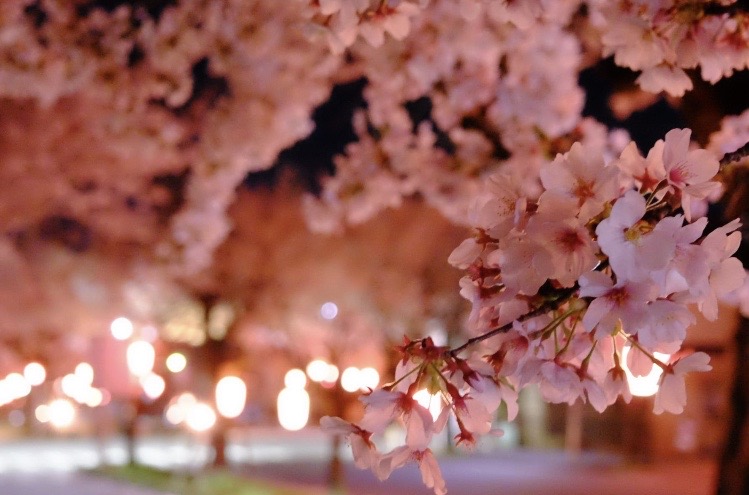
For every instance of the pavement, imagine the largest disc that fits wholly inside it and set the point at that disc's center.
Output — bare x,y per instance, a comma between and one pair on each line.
513,473
51,467
66,484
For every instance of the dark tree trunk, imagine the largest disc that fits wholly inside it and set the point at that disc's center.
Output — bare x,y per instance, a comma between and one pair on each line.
733,470
130,429
218,442
733,473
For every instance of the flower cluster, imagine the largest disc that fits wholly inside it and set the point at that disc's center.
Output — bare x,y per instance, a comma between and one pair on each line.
662,39
487,95
599,268
341,22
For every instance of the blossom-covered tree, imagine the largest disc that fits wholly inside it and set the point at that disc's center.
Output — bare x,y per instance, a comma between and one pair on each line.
127,128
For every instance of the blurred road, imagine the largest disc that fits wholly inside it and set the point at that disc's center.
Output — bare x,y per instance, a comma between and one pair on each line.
48,466
66,484
515,473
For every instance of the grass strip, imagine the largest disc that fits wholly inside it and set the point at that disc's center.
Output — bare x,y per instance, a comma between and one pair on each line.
210,482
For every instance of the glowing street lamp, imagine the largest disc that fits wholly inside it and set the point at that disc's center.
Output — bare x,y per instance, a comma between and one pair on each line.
176,362
432,402
16,386
153,385
140,358
61,413
35,374
200,417
121,328
231,395
85,372
647,385
293,404
354,379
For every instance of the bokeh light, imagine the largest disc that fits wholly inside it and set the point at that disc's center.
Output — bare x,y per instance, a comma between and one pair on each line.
121,328
140,357
647,385
231,395
153,385
293,408
176,362
200,417
35,374
295,378
61,413
329,310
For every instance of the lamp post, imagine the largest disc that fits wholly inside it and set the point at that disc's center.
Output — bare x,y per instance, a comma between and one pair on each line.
140,357
231,396
638,442
338,385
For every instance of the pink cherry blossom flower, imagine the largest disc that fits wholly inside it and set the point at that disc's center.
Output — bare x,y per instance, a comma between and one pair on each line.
595,394
633,246
622,304
430,471
525,263
672,395
566,238
559,384
665,77
465,254
726,273
583,176
648,172
688,172
615,385
382,407
666,323
688,266
365,454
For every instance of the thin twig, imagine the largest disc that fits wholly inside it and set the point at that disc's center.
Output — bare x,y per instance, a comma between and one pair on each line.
551,305
736,156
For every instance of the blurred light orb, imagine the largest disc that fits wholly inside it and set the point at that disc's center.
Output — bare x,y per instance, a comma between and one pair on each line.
295,379
178,408
42,413
5,394
175,413
187,399
61,413
369,377
140,358
74,387
331,375
94,397
317,370
293,408
643,386
17,386
35,374
351,379
231,395
329,310
153,385
176,362
200,417
121,328
432,402
85,372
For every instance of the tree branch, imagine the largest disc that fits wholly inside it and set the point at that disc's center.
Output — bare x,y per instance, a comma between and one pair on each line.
550,305
735,156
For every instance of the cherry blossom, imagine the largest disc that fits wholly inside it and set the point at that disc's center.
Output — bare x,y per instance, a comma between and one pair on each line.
633,261
580,247
672,396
